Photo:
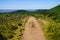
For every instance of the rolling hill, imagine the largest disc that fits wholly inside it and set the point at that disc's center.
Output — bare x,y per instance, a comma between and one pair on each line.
56,9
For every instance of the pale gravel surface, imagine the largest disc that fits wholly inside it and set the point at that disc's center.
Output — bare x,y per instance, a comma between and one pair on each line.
33,30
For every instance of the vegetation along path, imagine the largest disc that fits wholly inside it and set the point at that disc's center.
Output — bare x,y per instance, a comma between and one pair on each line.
33,30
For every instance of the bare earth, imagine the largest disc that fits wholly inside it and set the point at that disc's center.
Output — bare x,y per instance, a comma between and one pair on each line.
33,30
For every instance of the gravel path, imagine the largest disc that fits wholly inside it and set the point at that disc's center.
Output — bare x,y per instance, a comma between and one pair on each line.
33,30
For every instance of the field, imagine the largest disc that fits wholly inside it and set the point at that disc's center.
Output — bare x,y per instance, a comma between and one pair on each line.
12,24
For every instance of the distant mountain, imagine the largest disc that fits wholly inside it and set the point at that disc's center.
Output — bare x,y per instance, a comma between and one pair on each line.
55,9
30,10
2,10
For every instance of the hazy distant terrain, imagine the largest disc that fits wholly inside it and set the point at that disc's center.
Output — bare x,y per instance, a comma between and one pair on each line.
6,10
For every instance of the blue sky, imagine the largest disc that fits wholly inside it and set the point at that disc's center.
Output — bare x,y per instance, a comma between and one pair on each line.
28,4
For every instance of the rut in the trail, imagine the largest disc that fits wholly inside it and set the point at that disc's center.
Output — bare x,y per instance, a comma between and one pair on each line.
33,30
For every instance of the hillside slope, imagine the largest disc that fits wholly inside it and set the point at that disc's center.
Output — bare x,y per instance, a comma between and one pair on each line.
56,9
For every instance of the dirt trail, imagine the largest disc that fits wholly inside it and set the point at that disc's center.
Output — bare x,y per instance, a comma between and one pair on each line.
33,30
